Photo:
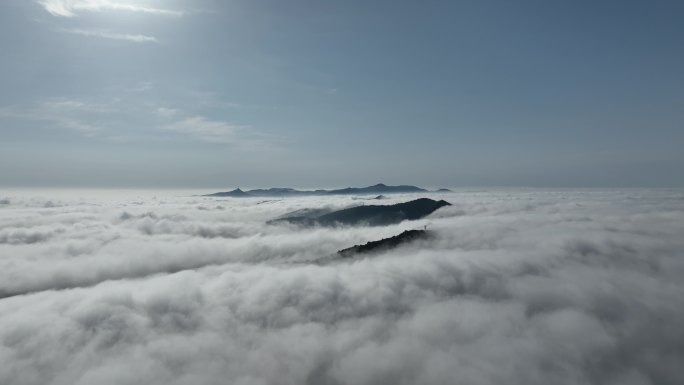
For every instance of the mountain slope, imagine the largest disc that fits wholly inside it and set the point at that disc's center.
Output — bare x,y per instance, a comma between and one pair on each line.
383,244
371,215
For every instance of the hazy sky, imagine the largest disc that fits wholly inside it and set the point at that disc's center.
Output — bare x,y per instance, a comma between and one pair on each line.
210,93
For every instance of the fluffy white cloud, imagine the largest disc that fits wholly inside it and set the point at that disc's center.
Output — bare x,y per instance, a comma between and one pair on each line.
521,287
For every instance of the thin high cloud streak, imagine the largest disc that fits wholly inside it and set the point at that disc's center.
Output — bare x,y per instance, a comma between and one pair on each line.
72,8
522,287
135,38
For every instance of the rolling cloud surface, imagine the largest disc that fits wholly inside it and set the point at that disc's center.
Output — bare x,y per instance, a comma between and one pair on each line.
517,287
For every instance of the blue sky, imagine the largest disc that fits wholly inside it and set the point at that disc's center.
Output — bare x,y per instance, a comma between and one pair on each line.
210,93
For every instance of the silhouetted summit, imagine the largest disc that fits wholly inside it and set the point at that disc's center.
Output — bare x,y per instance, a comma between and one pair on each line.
237,193
372,215
379,188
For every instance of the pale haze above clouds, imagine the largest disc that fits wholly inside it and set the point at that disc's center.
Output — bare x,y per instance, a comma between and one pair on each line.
517,287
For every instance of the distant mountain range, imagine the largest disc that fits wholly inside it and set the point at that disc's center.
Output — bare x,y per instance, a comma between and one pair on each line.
371,215
286,192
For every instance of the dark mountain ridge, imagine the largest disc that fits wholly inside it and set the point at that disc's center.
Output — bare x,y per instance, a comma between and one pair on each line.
371,215
384,244
237,193
377,189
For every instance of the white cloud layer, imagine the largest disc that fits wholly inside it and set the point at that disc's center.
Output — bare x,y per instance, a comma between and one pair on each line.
518,287
71,8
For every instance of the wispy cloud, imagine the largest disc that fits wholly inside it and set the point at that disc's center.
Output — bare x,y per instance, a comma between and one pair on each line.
166,112
135,38
135,119
71,8
142,87
61,112
206,130
208,99
73,105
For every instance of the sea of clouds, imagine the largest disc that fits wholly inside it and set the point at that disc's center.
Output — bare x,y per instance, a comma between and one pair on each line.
517,286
